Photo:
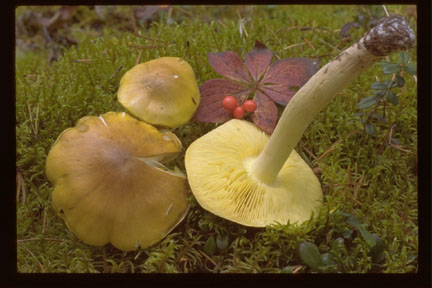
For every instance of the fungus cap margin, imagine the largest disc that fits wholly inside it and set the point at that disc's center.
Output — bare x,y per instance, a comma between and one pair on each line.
162,91
218,169
110,184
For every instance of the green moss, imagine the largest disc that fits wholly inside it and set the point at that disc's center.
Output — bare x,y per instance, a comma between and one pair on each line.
359,175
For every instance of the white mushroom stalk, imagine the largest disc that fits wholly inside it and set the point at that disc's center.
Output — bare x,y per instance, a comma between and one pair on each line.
390,35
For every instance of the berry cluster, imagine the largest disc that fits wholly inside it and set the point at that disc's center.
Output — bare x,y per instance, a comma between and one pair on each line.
230,103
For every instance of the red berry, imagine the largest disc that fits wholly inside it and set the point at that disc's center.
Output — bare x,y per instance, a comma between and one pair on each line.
229,103
249,106
239,112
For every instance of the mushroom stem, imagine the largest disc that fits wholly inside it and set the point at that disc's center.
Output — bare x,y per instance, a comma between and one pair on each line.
391,34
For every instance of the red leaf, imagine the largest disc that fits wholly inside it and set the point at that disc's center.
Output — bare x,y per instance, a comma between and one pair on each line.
229,65
285,76
212,93
258,60
266,114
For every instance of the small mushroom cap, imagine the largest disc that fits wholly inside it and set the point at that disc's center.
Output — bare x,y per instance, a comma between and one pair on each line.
162,91
110,185
218,166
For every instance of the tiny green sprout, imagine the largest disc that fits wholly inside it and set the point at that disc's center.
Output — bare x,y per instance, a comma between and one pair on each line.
210,246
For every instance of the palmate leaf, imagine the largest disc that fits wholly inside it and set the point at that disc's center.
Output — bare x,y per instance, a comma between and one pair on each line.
258,61
212,92
229,65
255,79
286,74
266,114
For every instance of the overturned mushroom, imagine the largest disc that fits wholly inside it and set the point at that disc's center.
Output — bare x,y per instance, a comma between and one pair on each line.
162,91
110,184
236,172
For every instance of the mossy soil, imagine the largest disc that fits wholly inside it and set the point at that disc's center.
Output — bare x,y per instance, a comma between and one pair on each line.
369,178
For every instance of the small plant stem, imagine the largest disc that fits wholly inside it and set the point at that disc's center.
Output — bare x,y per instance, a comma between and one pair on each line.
20,187
293,45
208,257
31,117
274,35
138,60
385,10
44,221
31,253
323,87
37,121
328,44
38,239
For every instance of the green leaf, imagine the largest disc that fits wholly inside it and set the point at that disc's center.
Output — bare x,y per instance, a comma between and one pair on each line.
367,102
379,117
378,86
347,233
412,257
404,57
203,225
392,98
327,259
287,269
379,258
390,68
380,93
222,241
337,244
329,265
367,236
353,221
400,81
370,129
379,246
310,254
210,246
328,268
358,114
388,82
411,68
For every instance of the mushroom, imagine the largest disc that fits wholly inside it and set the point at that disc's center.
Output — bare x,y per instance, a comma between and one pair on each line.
162,91
110,184
236,172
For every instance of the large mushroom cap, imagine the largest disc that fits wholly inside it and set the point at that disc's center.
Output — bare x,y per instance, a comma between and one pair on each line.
162,91
110,185
218,169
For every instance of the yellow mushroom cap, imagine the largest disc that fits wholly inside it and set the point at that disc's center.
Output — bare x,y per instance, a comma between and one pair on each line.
218,166
162,91
110,185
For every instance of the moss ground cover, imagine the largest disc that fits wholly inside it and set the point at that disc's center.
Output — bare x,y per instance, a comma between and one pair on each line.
368,184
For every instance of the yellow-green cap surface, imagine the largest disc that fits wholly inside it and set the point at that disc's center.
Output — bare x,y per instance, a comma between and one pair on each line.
110,185
162,91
